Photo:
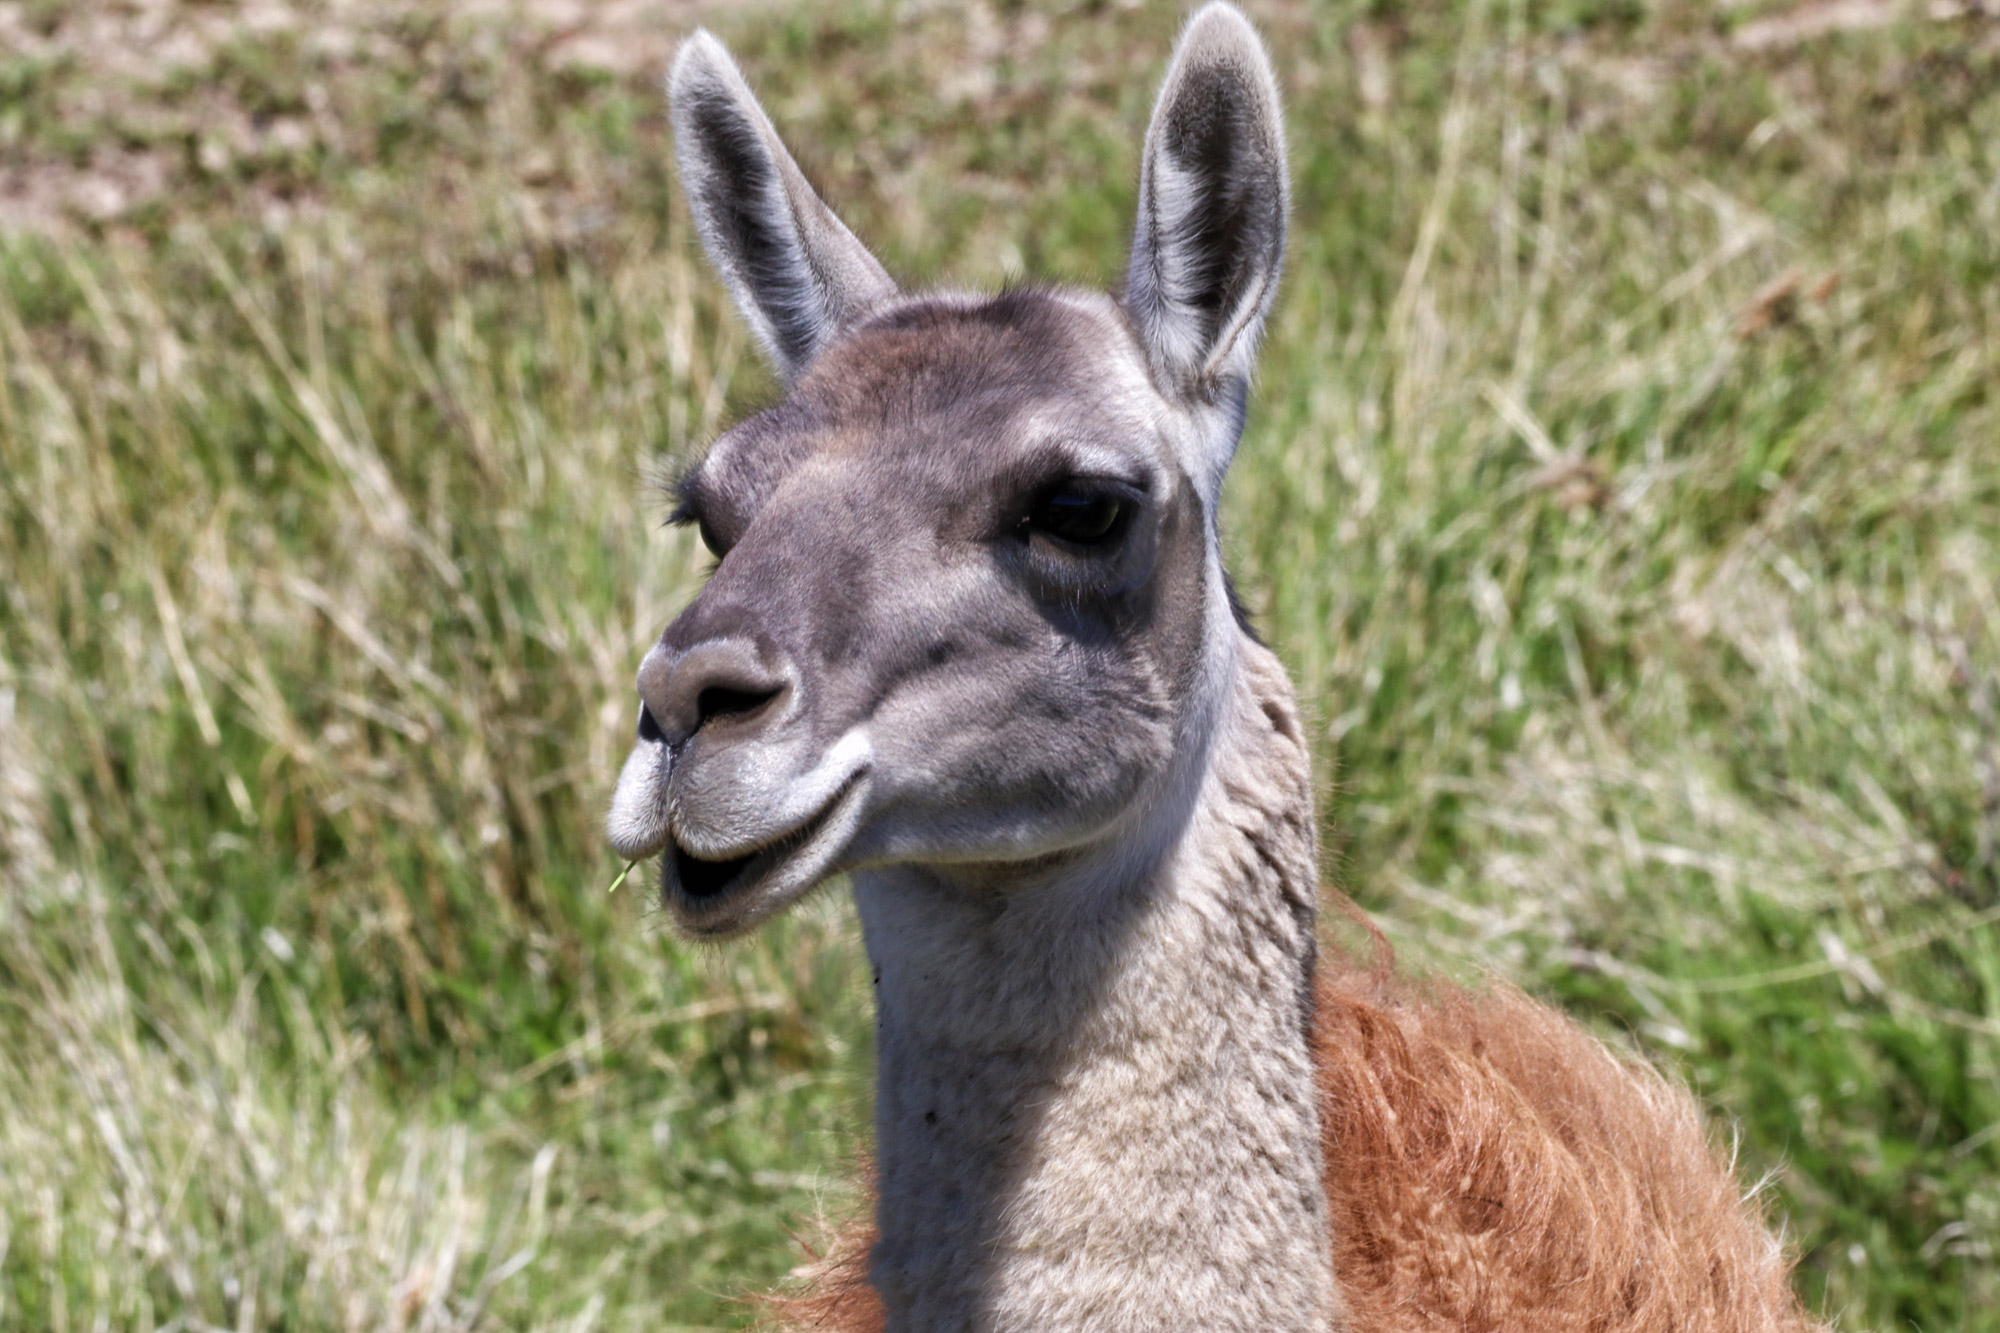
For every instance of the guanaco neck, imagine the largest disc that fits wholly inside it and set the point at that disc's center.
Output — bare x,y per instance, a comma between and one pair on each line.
1095,1105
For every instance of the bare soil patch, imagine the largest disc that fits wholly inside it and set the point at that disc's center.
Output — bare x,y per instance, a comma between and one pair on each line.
116,102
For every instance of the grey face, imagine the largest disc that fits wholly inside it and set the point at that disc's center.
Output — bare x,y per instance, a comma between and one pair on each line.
968,607
957,612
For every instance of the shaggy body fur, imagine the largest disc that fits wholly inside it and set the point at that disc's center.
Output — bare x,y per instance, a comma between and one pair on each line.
1489,1166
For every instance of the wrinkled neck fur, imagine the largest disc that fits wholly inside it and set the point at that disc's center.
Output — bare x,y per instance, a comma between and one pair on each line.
1095,1103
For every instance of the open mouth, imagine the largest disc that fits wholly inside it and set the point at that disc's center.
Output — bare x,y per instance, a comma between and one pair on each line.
720,897
705,879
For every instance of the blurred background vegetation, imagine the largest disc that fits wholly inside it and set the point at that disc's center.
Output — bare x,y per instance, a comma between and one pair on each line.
1623,488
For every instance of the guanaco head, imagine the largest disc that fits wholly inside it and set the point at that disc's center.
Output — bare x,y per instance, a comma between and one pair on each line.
969,609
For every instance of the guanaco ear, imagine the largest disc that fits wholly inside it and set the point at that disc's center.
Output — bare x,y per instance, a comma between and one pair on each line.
1212,197
799,275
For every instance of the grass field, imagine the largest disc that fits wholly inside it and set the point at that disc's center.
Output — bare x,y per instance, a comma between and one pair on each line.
1623,489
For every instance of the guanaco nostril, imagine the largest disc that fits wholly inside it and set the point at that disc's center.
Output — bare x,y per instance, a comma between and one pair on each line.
717,680
721,701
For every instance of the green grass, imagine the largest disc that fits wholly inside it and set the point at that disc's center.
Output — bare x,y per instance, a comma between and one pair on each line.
1623,488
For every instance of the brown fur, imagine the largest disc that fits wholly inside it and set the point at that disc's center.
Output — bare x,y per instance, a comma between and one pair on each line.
1489,1166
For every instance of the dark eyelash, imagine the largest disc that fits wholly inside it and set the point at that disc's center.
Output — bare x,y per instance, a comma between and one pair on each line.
688,514
686,511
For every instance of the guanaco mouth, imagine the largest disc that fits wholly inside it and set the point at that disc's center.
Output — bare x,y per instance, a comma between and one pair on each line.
705,879
716,897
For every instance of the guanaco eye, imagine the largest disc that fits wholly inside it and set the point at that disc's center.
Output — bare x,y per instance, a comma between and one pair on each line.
685,514
710,540
1082,515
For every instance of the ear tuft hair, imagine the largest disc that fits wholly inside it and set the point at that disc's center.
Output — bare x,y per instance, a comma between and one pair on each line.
797,273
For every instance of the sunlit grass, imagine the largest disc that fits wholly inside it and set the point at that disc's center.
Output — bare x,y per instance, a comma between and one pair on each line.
1623,487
